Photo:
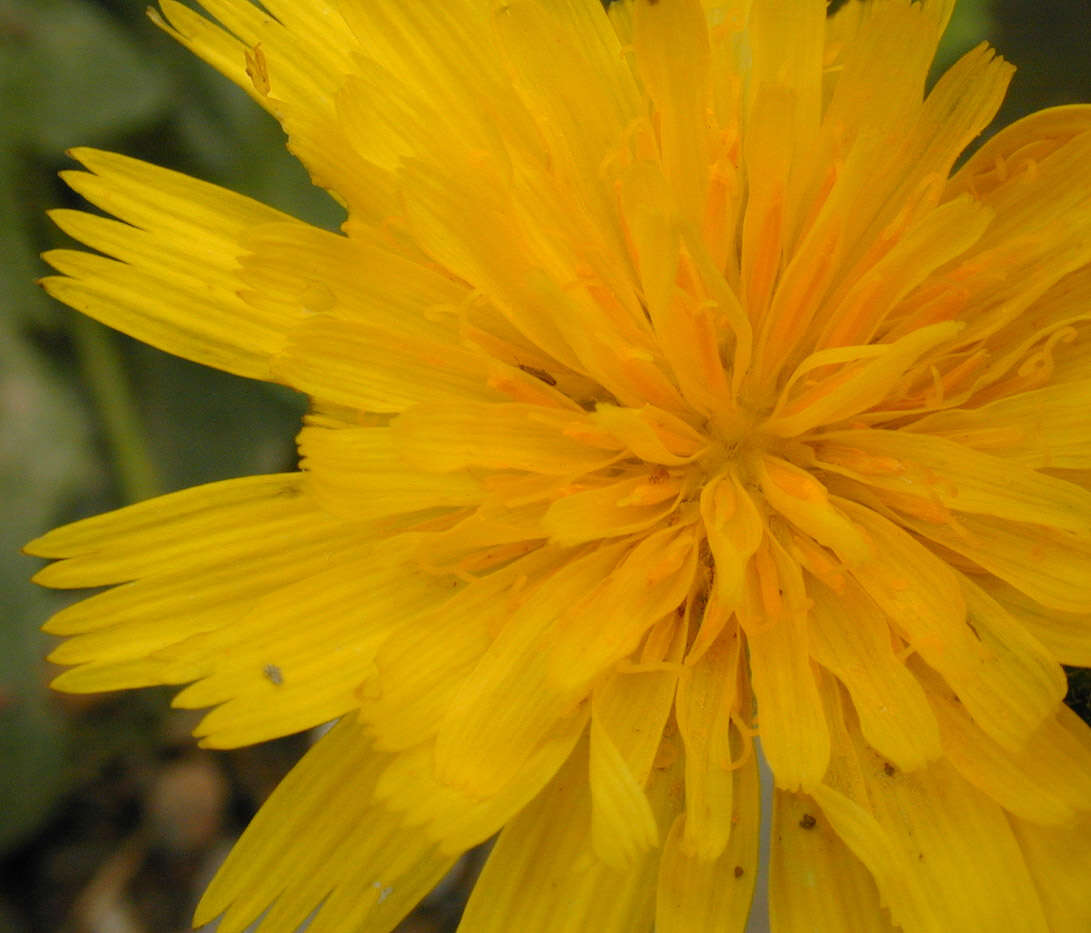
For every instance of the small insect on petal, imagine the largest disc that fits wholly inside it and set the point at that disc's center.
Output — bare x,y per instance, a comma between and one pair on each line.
257,69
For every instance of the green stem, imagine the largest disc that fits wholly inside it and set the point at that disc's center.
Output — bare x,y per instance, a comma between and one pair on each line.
104,372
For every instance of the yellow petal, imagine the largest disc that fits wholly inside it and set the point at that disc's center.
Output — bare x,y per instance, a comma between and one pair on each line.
963,479
768,165
805,502
1038,214
652,230
808,274
712,895
901,890
547,849
521,437
851,638
689,333
634,706
360,473
355,849
504,709
571,294
457,820
734,527
918,833
958,844
496,256
652,434
418,672
705,702
621,18
1034,348
1058,858
959,106
1067,636
193,528
816,884
889,46
622,507
630,712
1047,781
652,582
320,35
671,49
1043,428
1033,136
480,539
894,185
794,735
567,65
273,676
786,38
727,20
162,201
885,193
843,799
370,369
116,635
845,804
988,660
1020,685
545,659
879,191
1026,187
292,65
855,388
943,234
217,47
415,94
622,823
364,278
1051,567
174,281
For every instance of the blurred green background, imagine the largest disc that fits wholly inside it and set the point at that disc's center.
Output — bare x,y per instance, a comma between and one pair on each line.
89,420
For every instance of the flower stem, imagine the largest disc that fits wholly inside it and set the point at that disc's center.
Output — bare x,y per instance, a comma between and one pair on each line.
104,372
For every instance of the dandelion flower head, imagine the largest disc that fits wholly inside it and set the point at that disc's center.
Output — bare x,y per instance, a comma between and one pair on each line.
672,385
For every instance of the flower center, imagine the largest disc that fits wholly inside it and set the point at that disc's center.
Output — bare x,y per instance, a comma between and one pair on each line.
736,438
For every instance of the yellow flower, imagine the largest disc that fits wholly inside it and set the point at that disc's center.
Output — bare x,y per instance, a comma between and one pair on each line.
670,386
